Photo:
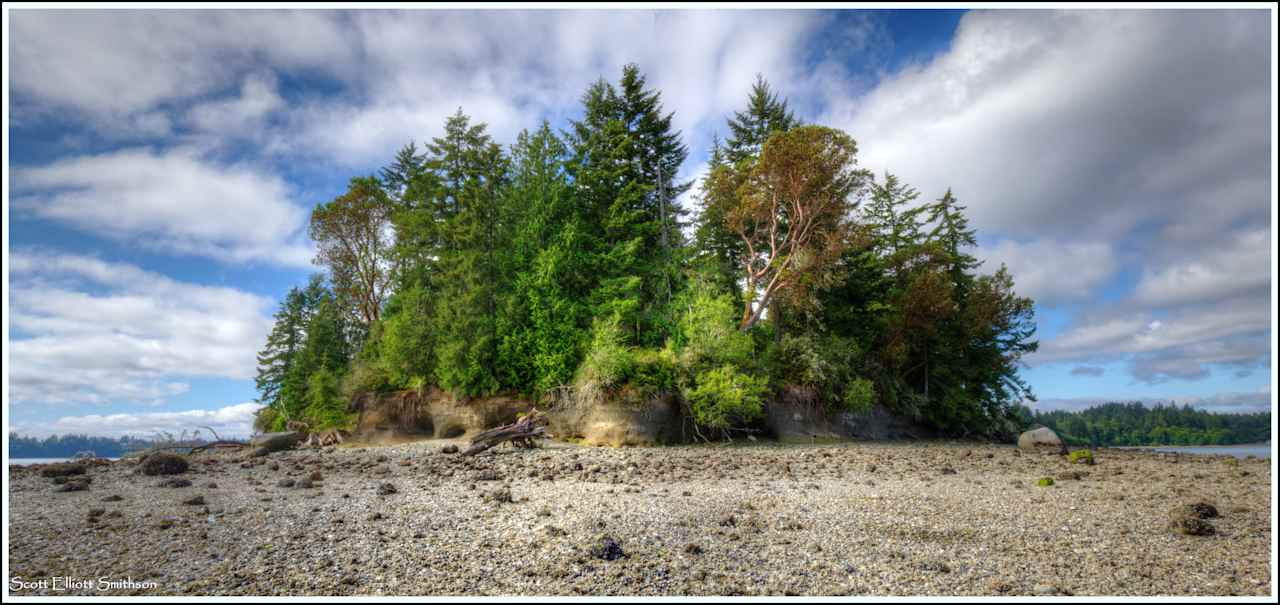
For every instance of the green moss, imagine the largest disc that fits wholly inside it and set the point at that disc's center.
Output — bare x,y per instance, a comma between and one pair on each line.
1081,456
1045,482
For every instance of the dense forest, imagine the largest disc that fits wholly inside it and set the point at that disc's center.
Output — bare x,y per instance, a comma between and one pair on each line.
1135,424
567,262
66,446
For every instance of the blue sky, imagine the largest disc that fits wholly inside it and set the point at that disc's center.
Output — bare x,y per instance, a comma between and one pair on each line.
163,163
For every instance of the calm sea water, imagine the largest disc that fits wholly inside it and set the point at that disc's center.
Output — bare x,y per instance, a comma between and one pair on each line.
26,461
1258,450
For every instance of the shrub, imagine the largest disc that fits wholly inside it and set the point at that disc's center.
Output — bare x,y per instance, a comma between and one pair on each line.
164,464
326,409
828,366
859,395
725,396
609,361
364,377
707,334
264,420
653,371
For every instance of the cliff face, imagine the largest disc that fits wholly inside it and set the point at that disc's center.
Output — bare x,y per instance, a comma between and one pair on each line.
433,414
618,420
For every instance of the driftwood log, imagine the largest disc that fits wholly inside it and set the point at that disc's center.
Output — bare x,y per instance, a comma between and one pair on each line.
520,433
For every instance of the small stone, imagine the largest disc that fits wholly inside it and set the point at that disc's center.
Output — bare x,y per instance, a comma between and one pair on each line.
286,483
194,501
386,489
608,549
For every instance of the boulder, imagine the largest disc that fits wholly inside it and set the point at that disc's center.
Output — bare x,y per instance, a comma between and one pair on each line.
1041,439
275,442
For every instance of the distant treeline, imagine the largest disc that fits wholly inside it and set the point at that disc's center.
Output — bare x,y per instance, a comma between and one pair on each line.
1136,424
66,446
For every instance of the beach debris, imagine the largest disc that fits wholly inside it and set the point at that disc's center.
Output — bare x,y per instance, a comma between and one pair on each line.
161,463
520,433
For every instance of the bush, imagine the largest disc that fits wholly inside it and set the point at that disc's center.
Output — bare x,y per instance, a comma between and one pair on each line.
326,409
653,371
859,395
264,420
365,377
724,396
827,365
164,464
609,361
707,334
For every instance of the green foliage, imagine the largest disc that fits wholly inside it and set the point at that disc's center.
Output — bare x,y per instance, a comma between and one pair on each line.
563,260
264,419
1081,456
326,408
406,343
707,333
1045,482
609,360
725,398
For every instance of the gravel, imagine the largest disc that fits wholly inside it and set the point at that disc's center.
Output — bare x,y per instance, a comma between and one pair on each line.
570,520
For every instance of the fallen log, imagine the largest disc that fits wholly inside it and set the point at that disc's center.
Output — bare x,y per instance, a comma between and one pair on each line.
520,433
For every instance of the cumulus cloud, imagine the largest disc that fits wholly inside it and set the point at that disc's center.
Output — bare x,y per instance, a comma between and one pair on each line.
85,330
173,201
1100,145
229,422
1053,272
104,64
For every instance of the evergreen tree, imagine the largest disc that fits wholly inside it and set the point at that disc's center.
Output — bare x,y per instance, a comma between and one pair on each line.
766,114
542,336
471,170
624,161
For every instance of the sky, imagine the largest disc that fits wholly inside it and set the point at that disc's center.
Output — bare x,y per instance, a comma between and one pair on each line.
163,165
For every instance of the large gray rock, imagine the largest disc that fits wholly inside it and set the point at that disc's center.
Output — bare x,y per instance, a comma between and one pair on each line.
1041,439
274,442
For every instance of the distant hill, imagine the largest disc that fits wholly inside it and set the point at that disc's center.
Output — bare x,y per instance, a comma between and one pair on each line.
1136,424
65,446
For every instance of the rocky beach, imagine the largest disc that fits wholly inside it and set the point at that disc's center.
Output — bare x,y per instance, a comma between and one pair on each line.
905,518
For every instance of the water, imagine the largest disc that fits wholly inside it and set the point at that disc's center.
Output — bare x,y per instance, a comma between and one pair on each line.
29,461
1259,450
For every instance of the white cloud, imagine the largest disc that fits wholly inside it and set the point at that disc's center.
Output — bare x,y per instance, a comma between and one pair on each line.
112,63
229,422
259,97
1062,123
1111,143
1179,345
1051,272
1241,264
172,201
84,330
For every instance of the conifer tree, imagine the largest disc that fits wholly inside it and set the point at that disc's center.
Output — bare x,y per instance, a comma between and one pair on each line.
471,170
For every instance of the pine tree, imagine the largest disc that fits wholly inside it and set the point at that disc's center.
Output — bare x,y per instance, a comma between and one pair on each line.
541,336
765,115
624,161
471,169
